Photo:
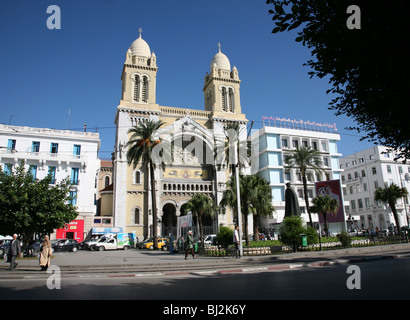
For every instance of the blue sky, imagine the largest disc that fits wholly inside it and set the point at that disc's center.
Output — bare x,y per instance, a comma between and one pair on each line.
45,73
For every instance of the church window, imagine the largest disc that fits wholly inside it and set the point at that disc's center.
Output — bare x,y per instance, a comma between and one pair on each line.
137,177
137,89
136,216
144,89
230,100
224,106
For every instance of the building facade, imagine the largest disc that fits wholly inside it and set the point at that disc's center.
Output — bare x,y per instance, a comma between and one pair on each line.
193,134
62,153
364,172
104,214
276,139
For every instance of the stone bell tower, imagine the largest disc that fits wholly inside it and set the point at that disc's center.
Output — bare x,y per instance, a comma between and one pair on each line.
139,76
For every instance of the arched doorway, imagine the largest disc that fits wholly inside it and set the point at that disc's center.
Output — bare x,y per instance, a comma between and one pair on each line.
169,219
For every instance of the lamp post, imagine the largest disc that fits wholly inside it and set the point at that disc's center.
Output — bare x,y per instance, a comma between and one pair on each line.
238,199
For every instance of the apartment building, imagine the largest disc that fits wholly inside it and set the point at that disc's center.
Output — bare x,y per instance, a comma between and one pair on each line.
62,153
277,138
364,172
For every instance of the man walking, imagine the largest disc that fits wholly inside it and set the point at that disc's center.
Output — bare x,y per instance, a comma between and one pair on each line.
236,242
14,251
189,246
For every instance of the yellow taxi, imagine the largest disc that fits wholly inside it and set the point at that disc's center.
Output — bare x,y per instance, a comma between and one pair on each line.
161,243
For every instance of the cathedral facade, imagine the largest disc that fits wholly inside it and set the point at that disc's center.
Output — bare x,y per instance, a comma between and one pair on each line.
196,137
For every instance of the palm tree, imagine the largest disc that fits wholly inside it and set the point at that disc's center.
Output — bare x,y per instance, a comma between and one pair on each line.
325,205
304,159
389,195
246,184
140,149
201,206
261,201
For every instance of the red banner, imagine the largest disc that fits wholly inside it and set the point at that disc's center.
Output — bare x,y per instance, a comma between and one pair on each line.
333,189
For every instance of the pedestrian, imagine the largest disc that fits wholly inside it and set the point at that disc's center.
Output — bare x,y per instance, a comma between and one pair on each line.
189,245
171,244
236,242
45,254
14,251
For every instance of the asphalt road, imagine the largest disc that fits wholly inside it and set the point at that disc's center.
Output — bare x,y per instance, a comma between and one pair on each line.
381,279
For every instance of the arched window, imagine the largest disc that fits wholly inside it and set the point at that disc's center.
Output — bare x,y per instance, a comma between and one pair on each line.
136,216
138,177
106,181
137,88
231,105
144,89
224,106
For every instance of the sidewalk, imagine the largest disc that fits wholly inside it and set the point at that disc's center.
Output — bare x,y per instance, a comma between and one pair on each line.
136,263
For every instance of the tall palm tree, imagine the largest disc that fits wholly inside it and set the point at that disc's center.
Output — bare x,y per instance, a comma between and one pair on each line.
325,205
140,149
305,159
389,195
201,206
261,201
246,184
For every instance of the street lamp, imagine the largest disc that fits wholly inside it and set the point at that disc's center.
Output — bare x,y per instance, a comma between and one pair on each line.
238,198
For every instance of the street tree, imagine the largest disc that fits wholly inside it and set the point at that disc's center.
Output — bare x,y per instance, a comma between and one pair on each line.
359,47
305,159
261,202
141,146
389,194
325,205
30,206
201,206
246,184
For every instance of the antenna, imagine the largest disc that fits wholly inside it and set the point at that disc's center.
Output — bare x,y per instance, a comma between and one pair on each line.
69,118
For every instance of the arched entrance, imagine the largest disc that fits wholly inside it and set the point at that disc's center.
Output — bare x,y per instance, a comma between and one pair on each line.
169,219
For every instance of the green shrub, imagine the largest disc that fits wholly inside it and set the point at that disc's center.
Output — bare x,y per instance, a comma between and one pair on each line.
345,239
292,228
224,237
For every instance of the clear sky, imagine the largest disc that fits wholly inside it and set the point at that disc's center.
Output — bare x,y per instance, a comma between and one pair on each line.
45,75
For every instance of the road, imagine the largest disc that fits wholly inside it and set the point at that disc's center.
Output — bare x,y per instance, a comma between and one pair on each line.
383,279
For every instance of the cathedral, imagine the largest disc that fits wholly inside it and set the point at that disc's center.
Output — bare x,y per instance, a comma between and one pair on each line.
193,134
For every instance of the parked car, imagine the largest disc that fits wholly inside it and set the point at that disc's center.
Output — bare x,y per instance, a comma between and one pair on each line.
140,244
150,244
87,244
385,232
210,238
4,247
34,247
65,245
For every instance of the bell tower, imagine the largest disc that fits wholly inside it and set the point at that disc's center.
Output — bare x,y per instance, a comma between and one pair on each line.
139,75
221,88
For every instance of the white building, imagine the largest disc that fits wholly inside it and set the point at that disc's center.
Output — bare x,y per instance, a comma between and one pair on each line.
276,139
64,153
364,172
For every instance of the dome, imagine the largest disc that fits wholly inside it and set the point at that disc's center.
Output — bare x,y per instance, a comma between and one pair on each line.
221,61
140,48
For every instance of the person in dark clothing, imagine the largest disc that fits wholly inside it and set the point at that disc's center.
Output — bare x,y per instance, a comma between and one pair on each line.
14,251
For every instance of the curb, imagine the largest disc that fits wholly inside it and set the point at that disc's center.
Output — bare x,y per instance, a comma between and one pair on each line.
278,267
